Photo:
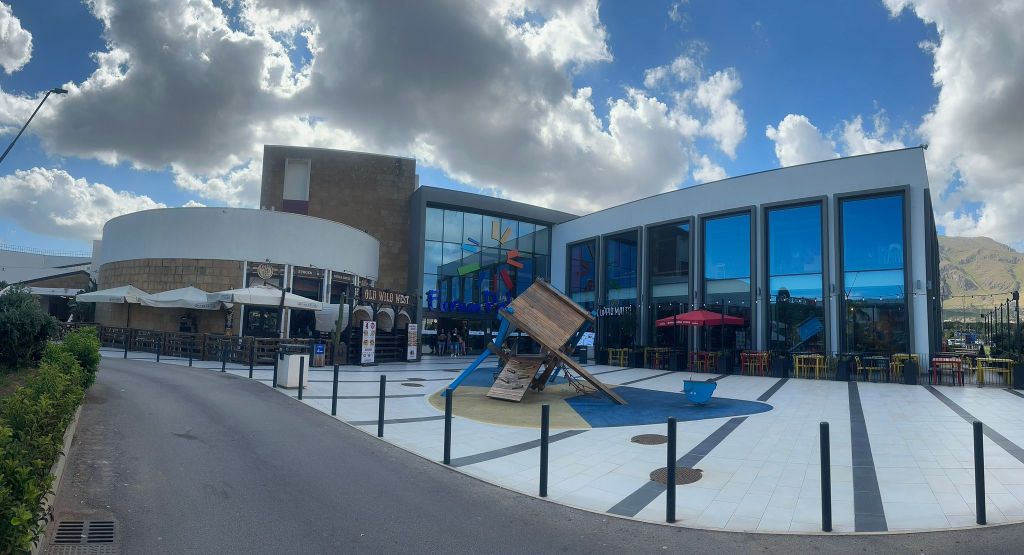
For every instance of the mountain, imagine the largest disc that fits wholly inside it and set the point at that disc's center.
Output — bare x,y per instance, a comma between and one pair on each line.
977,266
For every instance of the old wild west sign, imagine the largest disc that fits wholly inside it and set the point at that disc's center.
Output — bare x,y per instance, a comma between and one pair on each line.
370,295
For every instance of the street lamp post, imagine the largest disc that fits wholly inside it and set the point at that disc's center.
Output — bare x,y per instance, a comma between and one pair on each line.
55,90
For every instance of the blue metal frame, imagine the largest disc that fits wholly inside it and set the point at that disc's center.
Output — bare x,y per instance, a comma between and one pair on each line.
504,329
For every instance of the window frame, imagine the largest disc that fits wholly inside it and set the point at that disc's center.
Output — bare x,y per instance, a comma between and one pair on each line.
751,211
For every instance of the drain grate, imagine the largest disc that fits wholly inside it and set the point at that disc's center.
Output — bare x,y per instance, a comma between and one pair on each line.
409,384
683,475
649,439
80,537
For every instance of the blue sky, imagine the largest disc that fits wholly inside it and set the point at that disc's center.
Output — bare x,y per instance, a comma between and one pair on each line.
828,62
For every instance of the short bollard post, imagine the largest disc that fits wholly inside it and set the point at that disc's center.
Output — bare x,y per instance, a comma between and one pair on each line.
448,394
380,408
826,478
545,424
191,348
979,472
302,374
277,359
127,339
252,357
670,473
334,394
223,358
160,347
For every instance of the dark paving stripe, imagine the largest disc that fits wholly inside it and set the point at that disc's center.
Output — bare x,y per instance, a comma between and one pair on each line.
868,514
400,396
397,420
512,449
1015,392
716,378
647,378
997,438
647,493
610,371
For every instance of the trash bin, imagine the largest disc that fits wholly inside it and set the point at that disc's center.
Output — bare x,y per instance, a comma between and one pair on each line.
782,366
319,355
910,371
581,354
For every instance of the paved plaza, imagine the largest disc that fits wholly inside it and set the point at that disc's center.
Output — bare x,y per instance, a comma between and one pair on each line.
902,456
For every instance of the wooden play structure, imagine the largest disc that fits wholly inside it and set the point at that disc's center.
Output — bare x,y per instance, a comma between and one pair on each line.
552,320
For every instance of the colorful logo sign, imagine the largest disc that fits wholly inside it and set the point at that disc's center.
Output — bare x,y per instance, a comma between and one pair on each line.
472,246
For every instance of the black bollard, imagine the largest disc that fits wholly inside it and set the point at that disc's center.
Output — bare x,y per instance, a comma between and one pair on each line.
826,478
159,347
252,356
127,339
302,374
670,473
380,408
223,358
979,472
191,347
545,423
448,393
334,395
277,358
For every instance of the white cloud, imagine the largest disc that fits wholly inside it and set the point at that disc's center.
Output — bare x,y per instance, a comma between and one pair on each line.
15,42
798,141
858,141
52,202
482,91
707,171
974,130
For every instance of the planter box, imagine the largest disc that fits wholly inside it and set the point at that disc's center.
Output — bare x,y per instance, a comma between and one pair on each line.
910,372
844,369
782,366
1018,375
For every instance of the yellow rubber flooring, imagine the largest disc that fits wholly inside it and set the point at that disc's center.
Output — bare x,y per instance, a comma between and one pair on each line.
473,403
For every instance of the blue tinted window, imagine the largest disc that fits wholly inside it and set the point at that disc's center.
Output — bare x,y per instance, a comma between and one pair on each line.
794,240
727,247
796,313
620,268
434,230
582,274
453,226
873,233
432,257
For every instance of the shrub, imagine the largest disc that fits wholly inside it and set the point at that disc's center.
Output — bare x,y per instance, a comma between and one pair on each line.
24,329
84,344
33,420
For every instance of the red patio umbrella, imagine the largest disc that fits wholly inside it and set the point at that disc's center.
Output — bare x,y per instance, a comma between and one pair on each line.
699,318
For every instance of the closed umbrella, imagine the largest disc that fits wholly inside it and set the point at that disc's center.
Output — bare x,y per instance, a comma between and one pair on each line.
126,294
185,297
259,295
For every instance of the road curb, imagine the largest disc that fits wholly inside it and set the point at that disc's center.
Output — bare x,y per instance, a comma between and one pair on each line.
57,470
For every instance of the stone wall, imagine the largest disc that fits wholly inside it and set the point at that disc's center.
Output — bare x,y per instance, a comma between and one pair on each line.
370,192
156,275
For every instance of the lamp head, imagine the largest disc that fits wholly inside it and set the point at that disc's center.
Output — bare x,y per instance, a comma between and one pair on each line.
58,90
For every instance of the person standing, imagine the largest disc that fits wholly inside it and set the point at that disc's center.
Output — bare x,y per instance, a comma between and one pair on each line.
442,342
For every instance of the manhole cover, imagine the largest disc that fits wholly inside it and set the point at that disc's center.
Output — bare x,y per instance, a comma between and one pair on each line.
683,475
408,384
649,439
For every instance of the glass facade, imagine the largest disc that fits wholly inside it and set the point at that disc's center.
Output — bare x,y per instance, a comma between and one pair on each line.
582,279
873,279
618,318
472,265
727,269
668,248
796,311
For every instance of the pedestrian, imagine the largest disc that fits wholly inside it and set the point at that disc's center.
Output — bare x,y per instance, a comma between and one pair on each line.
442,342
455,344
462,345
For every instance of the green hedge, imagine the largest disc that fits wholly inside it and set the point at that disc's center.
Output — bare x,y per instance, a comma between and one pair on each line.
33,420
24,329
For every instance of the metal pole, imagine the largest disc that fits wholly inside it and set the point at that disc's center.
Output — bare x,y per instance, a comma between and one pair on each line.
826,478
277,360
252,355
302,375
545,424
448,394
334,395
23,127
127,339
979,472
160,347
670,473
380,408
191,348
223,357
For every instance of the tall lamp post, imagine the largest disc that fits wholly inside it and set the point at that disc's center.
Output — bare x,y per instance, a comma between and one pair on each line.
55,90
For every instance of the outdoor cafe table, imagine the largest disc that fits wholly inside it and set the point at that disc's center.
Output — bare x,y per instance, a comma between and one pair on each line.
874,364
754,363
996,366
656,357
803,365
946,362
703,361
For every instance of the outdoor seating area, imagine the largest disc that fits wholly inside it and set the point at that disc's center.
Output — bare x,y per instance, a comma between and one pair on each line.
703,361
755,363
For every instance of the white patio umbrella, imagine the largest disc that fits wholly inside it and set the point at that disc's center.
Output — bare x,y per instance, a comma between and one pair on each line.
185,297
126,294
258,295
327,319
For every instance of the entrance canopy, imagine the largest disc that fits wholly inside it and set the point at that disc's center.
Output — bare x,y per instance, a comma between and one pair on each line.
185,297
699,318
264,296
121,295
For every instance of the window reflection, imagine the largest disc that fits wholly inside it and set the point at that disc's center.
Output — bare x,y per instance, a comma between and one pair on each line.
669,268
727,279
583,274
796,313
874,298
618,319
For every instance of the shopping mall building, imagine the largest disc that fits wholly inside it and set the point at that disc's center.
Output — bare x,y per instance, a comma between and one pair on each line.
833,256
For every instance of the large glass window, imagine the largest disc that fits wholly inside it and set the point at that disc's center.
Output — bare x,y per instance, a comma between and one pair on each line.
796,313
617,322
669,270
875,311
582,278
727,267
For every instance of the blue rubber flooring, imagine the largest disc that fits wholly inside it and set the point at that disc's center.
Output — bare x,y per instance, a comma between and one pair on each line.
654,407
484,377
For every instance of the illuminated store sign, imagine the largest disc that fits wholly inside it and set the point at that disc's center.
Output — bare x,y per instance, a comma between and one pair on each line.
492,303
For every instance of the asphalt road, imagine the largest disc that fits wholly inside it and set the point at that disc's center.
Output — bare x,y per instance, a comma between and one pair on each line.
194,461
